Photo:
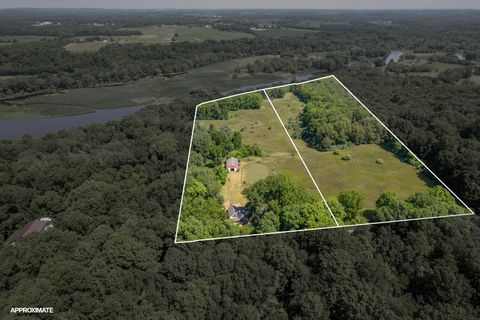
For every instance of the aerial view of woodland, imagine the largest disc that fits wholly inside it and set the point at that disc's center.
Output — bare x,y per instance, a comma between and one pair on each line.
96,115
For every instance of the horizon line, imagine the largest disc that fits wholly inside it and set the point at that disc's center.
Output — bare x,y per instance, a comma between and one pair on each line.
239,9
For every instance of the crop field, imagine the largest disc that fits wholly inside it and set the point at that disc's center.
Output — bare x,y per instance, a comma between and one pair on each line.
159,35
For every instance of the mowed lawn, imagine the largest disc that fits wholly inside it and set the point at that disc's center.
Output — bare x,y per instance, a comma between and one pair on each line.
159,35
362,173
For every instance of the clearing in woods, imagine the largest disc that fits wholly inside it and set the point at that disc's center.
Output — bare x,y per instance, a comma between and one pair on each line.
320,136
157,35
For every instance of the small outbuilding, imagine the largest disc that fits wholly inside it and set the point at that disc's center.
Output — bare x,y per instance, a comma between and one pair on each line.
232,164
35,226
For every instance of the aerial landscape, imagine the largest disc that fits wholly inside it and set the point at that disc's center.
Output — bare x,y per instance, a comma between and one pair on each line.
244,162
328,152
341,145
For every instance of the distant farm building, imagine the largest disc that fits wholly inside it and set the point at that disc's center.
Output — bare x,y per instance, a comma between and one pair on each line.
232,164
237,213
35,226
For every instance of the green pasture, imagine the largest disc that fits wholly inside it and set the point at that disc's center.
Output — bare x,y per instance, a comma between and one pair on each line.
362,172
159,35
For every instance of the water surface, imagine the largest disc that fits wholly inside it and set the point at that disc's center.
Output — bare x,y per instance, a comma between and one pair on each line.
15,128
393,56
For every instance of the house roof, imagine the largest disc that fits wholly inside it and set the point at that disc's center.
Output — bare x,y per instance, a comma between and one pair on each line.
232,162
37,225
231,211
237,213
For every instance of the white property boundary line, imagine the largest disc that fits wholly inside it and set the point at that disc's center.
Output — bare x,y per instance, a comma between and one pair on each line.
326,228
311,229
301,158
403,144
186,171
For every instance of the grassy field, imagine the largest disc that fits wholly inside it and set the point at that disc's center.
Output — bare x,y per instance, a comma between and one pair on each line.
251,170
475,79
159,35
254,170
362,173
261,126
219,76
289,109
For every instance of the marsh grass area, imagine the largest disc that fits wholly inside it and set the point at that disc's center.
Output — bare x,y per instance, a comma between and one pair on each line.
362,172
75,101
159,35
261,127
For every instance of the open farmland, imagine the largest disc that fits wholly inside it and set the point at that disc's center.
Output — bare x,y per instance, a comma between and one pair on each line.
158,35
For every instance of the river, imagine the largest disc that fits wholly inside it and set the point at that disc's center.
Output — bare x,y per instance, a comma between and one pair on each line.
15,128
393,56
297,78
460,56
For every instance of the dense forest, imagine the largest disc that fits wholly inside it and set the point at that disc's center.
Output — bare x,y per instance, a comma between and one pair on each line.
219,110
332,119
114,196
113,189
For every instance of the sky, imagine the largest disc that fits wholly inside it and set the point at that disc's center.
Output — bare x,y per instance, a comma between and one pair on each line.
244,4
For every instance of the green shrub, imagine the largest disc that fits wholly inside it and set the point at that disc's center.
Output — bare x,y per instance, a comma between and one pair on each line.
347,157
379,161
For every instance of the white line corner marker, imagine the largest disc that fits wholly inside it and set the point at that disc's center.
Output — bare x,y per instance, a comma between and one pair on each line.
300,156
